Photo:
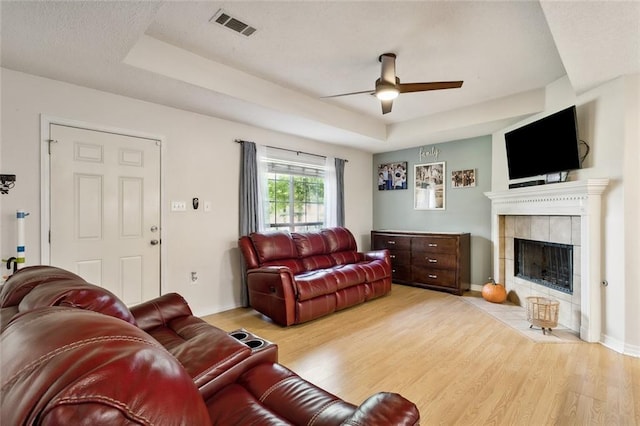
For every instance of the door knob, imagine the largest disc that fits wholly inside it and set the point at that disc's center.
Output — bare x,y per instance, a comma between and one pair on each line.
154,228
154,242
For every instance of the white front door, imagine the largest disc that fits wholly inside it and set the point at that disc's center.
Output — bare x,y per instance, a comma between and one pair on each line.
105,209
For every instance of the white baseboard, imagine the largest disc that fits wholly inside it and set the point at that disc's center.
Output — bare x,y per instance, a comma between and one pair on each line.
476,287
621,347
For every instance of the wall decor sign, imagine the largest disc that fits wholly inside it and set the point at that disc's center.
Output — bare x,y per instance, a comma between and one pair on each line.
429,188
425,153
463,178
392,176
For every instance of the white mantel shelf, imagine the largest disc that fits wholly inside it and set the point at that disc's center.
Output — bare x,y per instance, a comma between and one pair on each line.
576,198
566,198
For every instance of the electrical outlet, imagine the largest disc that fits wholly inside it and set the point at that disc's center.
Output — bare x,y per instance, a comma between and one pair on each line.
178,206
194,277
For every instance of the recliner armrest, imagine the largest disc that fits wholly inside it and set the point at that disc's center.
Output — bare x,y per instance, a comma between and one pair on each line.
205,351
378,255
385,408
160,311
273,292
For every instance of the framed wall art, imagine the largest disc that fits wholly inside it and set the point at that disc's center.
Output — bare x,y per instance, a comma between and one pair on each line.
463,178
392,176
429,188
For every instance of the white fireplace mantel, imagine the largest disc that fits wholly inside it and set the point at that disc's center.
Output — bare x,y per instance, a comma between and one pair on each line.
576,198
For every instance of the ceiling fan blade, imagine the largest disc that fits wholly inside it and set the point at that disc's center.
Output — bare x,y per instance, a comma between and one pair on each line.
386,106
371,92
388,73
423,87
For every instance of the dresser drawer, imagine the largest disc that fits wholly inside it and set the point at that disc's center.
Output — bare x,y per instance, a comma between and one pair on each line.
434,260
382,241
434,245
401,272
400,257
439,277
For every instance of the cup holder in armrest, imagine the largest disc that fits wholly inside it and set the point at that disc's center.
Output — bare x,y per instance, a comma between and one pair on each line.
240,335
249,339
255,343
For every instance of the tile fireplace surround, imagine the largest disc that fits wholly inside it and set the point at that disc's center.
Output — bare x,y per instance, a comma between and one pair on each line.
570,213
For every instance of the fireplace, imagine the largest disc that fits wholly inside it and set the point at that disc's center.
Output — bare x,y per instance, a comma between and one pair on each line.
537,263
565,213
545,263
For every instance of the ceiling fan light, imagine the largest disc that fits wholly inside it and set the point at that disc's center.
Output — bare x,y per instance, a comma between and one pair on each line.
387,93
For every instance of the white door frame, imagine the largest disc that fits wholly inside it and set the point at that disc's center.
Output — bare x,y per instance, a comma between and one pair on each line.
45,180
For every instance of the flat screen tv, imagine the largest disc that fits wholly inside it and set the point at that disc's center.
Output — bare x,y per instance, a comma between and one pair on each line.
548,145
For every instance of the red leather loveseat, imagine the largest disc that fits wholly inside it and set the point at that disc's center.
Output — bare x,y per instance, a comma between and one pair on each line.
73,353
300,276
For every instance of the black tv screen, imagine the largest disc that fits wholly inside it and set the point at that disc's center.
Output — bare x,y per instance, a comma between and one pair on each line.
549,145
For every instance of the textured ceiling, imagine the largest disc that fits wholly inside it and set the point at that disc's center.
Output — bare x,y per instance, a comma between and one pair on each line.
169,53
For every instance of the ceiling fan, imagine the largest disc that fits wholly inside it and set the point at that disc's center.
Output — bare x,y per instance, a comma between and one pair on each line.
388,86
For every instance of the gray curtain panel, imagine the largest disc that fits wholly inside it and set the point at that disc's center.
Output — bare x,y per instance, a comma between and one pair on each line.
340,191
249,203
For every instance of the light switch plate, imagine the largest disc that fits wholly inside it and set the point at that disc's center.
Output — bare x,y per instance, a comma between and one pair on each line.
178,206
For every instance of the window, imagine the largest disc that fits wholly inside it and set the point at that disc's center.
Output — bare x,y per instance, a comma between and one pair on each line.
295,196
296,191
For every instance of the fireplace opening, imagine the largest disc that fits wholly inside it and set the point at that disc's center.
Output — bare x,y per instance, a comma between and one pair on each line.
547,264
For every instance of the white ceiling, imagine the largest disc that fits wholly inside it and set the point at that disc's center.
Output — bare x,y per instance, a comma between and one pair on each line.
169,53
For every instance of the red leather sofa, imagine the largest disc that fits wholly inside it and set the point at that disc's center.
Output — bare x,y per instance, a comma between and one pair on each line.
73,353
300,276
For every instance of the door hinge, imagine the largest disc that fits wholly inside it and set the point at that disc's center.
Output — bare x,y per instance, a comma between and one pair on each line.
51,141
49,236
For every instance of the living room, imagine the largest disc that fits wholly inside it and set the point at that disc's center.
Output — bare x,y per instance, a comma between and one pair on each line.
200,159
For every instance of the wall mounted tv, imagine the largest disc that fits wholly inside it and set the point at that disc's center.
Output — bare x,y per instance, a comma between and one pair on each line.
546,146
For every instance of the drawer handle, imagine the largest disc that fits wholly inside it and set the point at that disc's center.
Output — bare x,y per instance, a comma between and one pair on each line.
432,276
391,242
432,260
393,270
433,245
392,256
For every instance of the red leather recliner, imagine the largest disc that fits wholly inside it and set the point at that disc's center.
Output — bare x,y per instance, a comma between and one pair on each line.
300,276
72,353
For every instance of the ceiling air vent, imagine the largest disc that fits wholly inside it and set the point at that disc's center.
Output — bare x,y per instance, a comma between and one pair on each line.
234,24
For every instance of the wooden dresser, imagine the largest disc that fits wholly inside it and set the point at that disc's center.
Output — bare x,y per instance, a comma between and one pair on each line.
438,261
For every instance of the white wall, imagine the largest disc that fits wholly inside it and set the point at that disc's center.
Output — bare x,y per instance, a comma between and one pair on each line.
200,160
632,212
607,121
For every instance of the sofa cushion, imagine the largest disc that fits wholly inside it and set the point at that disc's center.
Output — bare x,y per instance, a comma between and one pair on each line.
310,243
313,248
274,246
375,270
294,265
288,395
76,294
271,395
322,261
6,315
316,283
235,405
339,239
345,257
349,275
25,279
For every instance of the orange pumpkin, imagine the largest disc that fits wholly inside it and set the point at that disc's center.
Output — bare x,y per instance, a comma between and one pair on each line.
494,292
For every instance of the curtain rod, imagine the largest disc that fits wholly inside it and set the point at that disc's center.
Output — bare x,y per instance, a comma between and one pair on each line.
290,150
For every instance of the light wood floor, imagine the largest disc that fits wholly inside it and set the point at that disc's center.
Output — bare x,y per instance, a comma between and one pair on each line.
459,365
